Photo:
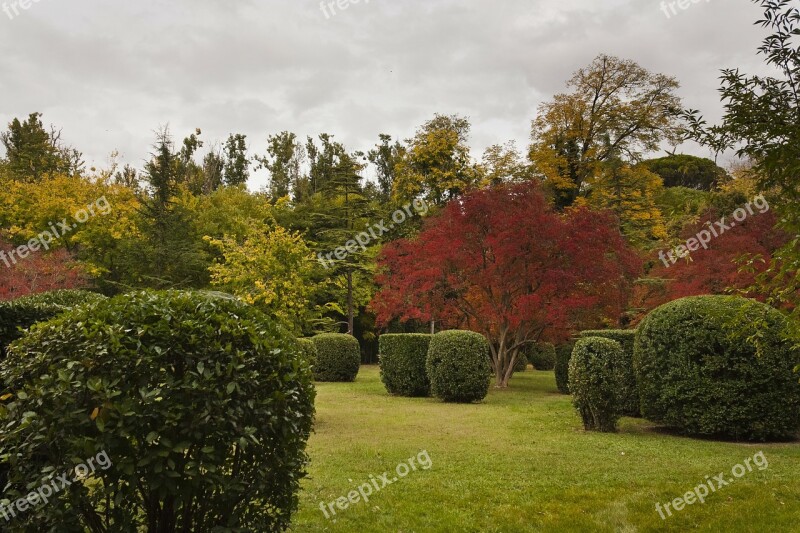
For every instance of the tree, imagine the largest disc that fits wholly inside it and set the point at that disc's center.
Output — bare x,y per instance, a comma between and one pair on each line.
762,124
687,171
501,262
237,164
630,193
284,156
33,153
270,269
385,156
41,272
502,163
616,108
437,165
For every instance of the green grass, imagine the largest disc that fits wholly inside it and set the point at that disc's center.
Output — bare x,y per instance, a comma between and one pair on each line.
520,461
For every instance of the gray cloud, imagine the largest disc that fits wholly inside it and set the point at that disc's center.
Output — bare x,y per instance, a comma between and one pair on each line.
111,72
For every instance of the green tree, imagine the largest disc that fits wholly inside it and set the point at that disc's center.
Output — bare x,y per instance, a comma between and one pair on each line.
687,171
385,156
237,163
33,153
283,160
616,109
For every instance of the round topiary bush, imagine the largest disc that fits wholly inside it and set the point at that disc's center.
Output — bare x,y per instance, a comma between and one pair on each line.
201,405
698,370
22,313
458,366
542,355
592,383
402,360
338,357
309,350
563,355
521,364
627,391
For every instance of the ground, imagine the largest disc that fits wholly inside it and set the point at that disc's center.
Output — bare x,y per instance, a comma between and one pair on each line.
520,461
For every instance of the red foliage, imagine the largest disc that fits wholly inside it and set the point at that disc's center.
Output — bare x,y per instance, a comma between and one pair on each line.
719,270
39,272
501,262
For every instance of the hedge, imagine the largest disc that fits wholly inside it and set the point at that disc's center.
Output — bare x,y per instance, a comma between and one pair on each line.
542,355
700,372
201,404
20,314
458,366
563,356
402,360
338,357
309,349
592,383
627,391
521,364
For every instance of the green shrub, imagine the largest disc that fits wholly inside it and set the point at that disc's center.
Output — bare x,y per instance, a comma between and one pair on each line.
563,355
592,383
402,359
202,404
542,355
309,351
521,364
458,366
627,391
22,313
698,370
338,357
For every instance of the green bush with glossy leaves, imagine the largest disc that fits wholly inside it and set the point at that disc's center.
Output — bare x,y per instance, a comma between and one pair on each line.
202,404
563,356
20,314
458,366
719,366
338,358
593,384
541,355
402,361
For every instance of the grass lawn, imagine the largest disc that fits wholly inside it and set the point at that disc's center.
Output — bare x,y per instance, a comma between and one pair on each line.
520,461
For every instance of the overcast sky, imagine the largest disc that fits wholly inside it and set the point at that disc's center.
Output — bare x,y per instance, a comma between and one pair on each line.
110,72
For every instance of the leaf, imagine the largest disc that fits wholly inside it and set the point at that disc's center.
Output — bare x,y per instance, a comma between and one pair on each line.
95,413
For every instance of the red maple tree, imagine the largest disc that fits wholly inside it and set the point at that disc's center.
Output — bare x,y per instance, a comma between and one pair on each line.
39,272
500,261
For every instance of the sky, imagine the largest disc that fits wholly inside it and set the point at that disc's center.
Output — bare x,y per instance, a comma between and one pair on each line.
110,73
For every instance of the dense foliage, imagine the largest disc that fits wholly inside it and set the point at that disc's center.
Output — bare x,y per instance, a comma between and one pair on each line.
338,357
22,313
718,366
624,375
593,384
542,355
203,405
402,359
458,366
563,356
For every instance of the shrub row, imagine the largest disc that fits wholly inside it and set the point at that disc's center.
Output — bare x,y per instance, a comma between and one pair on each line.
541,355
338,357
563,356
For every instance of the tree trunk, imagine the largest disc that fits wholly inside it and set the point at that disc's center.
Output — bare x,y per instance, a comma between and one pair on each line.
350,328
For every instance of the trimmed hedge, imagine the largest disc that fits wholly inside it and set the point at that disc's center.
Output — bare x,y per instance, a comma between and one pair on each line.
22,313
627,391
563,356
309,351
186,393
402,360
542,356
458,366
698,372
593,384
338,357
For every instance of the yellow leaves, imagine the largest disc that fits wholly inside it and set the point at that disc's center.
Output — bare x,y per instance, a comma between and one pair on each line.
5,397
95,413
